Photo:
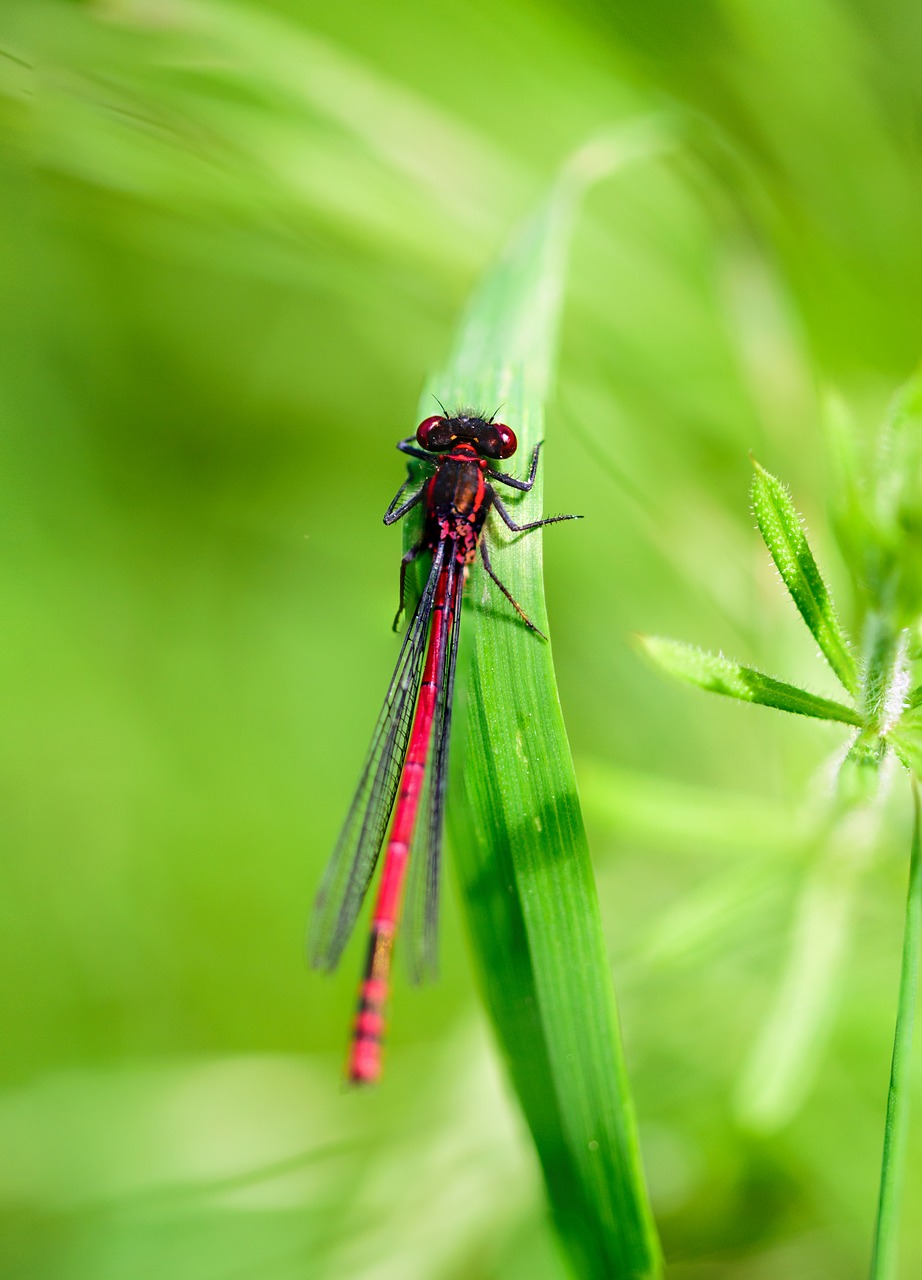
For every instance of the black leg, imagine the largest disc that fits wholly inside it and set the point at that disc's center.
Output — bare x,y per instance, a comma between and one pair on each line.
525,485
408,558
532,524
396,511
484,555
410,446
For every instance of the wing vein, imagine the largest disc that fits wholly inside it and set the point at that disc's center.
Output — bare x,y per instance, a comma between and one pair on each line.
355,856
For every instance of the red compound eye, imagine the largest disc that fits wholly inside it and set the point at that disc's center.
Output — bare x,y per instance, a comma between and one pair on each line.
508,442
431,433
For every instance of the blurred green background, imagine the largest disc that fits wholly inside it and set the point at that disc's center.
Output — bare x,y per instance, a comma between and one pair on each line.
233,241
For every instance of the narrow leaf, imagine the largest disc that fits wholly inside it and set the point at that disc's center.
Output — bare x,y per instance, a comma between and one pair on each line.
719,675
782,529
860,772
906,739
518,840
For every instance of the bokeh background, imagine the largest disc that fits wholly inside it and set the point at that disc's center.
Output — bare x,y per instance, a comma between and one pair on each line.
234,238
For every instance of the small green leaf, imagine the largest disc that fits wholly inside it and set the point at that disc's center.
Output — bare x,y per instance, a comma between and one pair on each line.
782,529
906,739
859,776
719,675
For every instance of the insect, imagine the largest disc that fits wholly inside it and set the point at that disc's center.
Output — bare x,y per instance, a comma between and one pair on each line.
405,771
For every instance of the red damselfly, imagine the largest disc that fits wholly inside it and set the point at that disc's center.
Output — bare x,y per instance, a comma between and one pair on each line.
406,767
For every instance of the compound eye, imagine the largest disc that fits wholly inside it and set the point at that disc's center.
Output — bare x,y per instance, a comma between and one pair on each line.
508,443
431,433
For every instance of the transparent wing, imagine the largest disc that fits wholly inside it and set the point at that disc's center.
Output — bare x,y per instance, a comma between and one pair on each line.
421,912
352,865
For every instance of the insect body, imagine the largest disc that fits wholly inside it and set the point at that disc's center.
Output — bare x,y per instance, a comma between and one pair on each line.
407,763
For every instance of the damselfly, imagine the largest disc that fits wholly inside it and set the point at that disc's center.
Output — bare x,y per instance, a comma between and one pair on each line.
406,767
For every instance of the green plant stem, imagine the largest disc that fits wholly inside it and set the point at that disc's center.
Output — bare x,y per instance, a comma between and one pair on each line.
883,1265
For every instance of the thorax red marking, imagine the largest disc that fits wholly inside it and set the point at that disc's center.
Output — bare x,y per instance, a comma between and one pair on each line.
457,501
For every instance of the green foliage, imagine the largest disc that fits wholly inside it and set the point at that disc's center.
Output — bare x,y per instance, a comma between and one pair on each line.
884,713
879,508
518,839
233,238
784,535
719,675
883,703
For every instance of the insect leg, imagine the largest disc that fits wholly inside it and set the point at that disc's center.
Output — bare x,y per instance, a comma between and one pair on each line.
506,592
408,558
524,485
396,511
410,446
532,524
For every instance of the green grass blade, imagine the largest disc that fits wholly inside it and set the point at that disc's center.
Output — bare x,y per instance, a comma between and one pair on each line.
719,675
517,832
783,532
883,1265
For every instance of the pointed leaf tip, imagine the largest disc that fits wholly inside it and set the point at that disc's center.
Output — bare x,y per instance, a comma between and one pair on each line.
783,533
718,674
